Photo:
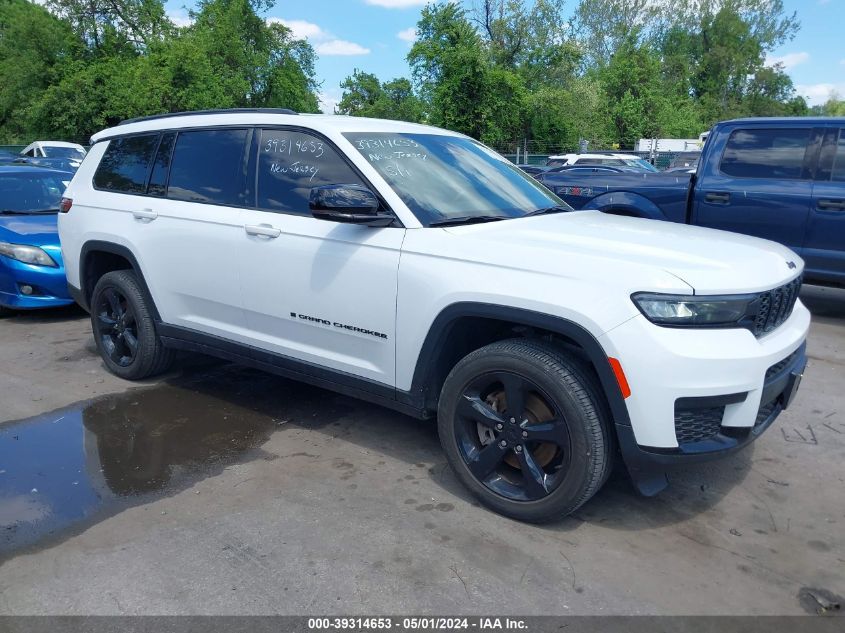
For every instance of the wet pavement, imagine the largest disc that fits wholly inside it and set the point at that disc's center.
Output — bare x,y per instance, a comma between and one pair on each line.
69,467
221,489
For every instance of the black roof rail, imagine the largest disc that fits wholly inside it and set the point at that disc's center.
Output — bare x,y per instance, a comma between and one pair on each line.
168,115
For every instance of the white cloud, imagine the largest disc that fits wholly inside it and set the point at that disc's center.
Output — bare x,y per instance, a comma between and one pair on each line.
180,18
408,35
817,94
301,29
324,42
329,101
397,4
789,60
341,47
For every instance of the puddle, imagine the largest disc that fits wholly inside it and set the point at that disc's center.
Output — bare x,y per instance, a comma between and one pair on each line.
79,464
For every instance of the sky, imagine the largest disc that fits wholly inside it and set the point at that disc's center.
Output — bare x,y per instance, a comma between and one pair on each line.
376,35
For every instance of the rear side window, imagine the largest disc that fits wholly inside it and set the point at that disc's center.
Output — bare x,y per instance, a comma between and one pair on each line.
761,153
161,166
208,166
838,174
126,163
290,164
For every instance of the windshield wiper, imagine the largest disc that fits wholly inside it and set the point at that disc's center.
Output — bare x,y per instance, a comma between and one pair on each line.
467,219
547,210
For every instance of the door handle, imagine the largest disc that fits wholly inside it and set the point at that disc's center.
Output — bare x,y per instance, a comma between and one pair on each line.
831,205
721,198
145,214
263,230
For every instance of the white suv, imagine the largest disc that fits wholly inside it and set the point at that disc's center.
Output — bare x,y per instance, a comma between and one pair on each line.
414,267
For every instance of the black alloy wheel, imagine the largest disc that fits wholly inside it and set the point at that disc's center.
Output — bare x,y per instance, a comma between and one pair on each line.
512,436
117,327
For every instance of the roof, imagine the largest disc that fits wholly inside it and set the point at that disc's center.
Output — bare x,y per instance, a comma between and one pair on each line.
57,144
593,156
319,122
787,120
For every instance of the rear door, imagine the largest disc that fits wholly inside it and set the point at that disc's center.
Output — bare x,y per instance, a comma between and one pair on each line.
179,210
824,243
760,185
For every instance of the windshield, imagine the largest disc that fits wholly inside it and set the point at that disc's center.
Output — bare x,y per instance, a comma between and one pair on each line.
639,163
64,152
442,177
31,193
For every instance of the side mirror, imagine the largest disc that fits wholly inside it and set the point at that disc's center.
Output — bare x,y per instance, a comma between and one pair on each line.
351,204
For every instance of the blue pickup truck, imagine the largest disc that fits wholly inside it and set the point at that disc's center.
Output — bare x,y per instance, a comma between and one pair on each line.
781,179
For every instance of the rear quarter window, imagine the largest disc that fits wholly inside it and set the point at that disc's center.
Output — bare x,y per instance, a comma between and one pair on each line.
766,153
126,163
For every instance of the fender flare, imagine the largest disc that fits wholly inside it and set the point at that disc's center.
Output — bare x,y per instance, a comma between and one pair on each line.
121,251
641,206
426,367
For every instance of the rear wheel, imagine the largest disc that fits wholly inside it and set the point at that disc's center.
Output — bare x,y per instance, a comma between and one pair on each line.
525,429
124,329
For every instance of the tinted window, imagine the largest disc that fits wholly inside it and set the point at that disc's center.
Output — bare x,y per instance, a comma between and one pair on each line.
65,152
443,176
775,153
161,166
208,166
126,163
290,164
839,160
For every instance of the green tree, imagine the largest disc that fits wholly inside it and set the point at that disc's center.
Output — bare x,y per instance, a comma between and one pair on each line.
364,95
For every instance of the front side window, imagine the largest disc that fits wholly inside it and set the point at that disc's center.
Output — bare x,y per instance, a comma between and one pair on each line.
441,177
208,166
125,164
291,163
766,153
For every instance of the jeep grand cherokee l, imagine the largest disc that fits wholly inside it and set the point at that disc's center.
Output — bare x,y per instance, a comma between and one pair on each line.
416,268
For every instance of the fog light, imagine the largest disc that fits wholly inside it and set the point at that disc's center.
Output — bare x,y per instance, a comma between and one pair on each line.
27,290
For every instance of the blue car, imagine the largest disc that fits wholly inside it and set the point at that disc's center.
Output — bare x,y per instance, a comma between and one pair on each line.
32,274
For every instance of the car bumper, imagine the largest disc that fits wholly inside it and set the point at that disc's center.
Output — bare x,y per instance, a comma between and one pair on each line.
48,286
701,394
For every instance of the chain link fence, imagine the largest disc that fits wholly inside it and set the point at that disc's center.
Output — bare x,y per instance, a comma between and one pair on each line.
528,152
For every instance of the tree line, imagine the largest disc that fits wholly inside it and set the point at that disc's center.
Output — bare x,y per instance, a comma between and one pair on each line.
73,67
609,71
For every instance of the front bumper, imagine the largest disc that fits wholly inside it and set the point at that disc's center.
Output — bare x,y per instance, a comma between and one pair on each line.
48,284
701,394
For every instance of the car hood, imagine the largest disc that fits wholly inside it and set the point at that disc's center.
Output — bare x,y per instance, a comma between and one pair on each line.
36,230
708,260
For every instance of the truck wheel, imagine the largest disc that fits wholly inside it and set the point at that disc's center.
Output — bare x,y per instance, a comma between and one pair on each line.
124,330
525,429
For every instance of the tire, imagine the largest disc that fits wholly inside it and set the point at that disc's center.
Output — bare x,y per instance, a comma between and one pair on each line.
5,312
560,403
124,329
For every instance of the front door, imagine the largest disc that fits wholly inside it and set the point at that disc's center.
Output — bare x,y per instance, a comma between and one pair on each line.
316,291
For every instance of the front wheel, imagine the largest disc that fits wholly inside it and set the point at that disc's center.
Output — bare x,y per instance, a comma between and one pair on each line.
124,329
525,429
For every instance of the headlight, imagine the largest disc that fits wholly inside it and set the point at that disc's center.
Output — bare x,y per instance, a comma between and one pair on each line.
697,311
26,254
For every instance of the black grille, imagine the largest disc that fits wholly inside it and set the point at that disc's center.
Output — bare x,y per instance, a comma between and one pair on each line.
776,306
696,425
765,411
775,369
